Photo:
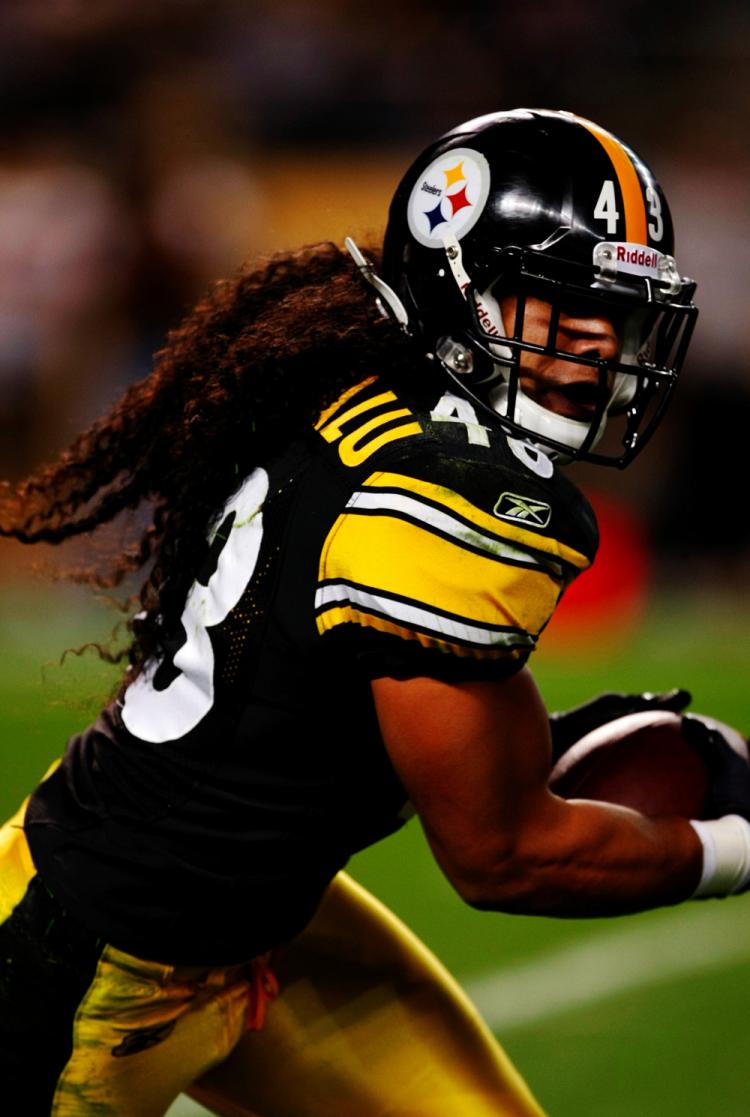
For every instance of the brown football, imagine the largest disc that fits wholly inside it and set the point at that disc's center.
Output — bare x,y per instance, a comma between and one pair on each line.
641,761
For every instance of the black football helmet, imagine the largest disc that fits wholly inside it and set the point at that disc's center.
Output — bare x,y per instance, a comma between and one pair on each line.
544,204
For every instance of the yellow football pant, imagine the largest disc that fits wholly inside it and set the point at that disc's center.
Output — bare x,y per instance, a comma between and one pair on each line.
366,1023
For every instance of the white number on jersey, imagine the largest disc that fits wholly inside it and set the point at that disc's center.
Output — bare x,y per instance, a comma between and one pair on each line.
606,206
532,457
165,715
454,409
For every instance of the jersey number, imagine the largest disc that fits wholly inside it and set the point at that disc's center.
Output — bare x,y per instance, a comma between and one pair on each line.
454,409
166,713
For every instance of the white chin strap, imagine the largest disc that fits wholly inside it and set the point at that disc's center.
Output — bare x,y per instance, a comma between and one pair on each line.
540,420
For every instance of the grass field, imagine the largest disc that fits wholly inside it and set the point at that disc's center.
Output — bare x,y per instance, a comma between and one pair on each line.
643,1015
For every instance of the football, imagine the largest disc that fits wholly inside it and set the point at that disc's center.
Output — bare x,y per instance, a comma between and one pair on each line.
641,761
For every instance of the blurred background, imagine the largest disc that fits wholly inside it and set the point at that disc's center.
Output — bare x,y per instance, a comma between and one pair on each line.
148,147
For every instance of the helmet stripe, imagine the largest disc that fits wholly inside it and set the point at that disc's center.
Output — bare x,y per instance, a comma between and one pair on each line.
630,186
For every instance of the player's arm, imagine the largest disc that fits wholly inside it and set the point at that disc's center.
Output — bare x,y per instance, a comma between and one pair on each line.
475,757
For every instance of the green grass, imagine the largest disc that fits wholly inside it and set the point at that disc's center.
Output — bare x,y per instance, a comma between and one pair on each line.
677,1050
674,1048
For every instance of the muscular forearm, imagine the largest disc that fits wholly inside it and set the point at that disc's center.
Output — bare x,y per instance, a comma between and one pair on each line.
579,858
475,759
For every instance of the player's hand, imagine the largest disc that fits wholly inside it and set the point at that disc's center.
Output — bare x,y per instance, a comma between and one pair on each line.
569,726
728,766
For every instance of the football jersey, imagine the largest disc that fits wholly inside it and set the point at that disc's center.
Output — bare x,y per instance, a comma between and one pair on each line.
201,818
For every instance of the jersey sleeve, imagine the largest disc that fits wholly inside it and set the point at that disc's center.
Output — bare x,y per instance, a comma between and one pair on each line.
415,579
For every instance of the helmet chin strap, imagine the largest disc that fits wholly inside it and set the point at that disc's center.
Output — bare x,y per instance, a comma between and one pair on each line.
540,420
461,276
529,414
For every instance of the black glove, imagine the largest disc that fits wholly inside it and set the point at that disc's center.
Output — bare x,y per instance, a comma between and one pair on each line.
569,726
730,772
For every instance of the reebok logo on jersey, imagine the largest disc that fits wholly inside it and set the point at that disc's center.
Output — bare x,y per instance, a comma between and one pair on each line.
523,510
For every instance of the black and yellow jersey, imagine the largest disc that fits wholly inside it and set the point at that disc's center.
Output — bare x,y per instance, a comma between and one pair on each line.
200,819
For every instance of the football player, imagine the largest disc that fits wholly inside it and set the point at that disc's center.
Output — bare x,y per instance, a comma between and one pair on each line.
360,529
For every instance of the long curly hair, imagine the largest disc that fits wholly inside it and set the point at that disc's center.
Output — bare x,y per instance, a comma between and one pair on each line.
245,372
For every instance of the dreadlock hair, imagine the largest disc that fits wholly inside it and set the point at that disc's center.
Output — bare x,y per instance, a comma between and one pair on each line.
249,368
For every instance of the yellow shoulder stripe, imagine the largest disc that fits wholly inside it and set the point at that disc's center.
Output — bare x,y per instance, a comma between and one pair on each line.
401,558
490,524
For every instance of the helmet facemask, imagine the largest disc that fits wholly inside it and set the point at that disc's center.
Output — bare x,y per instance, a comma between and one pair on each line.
493,360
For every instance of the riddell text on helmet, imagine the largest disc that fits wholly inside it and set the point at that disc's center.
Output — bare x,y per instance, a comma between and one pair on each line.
643,257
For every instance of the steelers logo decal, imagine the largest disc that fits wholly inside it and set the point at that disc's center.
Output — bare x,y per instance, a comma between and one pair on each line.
449,196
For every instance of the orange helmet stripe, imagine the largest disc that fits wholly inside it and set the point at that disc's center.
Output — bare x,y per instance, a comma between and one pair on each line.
630,187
